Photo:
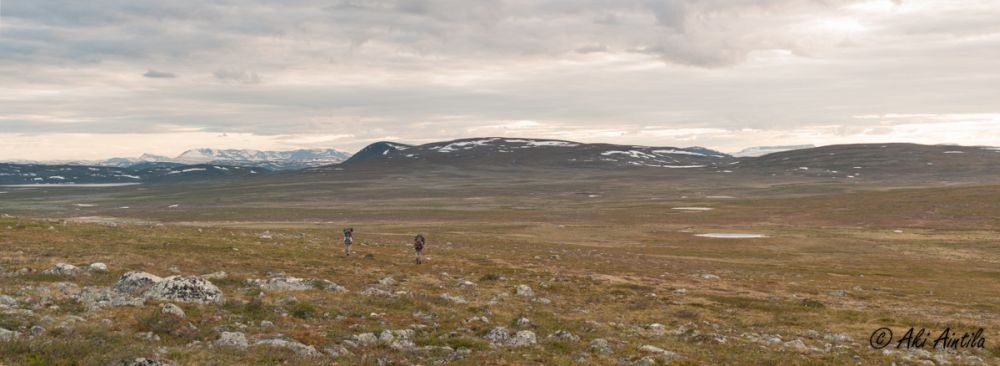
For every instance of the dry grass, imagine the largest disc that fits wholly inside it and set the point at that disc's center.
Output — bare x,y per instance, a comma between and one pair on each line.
610,269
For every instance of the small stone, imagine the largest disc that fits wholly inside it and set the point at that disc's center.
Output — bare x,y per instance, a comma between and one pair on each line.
172,309
37,330
645,361
142,361
659,351
522,338
709,276
8,335
365,339
838,293
7,301
454,299
600,345
299,348
524,290
523,322
148,336
220,275
98,267
387,281
266,324
797,345
564,335
62,269
498,335
232,339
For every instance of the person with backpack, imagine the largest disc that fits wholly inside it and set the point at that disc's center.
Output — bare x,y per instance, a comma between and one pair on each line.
348,240
418,246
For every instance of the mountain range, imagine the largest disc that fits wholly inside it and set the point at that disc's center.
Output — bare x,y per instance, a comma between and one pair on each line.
270,160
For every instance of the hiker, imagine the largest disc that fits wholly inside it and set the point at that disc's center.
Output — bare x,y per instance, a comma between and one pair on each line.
418,246
348,240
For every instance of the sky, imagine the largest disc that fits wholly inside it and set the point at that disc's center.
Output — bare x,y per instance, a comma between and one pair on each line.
104,78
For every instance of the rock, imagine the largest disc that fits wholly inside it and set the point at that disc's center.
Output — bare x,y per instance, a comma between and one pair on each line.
101,297
185,289
329,286
454,299
135,282
564,335
98,267
282,283
709,276
498,336
337,351
657,329
266,235
681,291
142,361
524,290
600,345
659,352
386,337
645,361
63,269
387,281
402,345
541,300
232,339
365,339
7,301
220,275
373,291
477,319
299,348
838,293
266,324
838,338
522,338
797,345
36,330
148,336
172,309
8,335
466,283
523,322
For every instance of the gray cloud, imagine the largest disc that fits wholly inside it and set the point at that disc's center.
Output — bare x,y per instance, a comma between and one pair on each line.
231,74
630,70
159,74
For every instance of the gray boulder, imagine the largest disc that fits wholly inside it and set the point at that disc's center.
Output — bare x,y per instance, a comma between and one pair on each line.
134,283
191,289
232,339
63,269
299,348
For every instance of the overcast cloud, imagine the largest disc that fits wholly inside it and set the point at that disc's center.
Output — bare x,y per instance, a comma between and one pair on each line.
101,78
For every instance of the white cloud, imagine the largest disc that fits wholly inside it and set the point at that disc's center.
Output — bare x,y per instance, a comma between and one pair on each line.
724,74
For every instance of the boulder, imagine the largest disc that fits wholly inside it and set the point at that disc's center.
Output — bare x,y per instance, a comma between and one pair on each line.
63,269
191,289
232,339
134,283
600,345
299,348
522,338
98,267
8,335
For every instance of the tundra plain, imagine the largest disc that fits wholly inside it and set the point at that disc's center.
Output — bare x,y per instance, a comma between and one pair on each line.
576,267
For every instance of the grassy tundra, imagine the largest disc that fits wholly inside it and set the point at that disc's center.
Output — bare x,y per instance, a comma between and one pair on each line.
612,267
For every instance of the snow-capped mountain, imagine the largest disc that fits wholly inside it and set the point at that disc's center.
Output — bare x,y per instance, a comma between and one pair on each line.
499,151
273,160
756,151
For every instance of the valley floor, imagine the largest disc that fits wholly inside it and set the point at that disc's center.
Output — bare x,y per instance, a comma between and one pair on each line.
562,282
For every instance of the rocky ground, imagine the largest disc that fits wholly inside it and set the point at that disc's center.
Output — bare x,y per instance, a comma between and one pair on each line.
147,293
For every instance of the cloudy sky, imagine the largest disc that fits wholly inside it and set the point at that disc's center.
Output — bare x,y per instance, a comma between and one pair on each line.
101,78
